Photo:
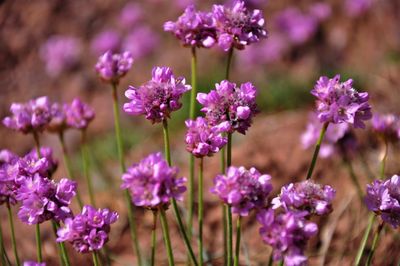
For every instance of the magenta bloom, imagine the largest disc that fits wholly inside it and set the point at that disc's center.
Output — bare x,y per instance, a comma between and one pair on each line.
237,26
130,14
79,114
287,233
60,53
305,196
194,28
152,183
9,174
32,116
355,8
140,42
383,198
46,165
243,189
111,67
338,102
34,263
157,98
108,40
87,231
388,125
229,103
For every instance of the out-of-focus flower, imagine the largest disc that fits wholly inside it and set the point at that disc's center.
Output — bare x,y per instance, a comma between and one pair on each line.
87,231
60,53
194,28
34,263
108,40
338,102
202,139
243,189
229,103
287,233
111,67
130,14
237,26
320,11
79,114
305,196
157,98
388,125
32,116
141,41
153,183
58,122
356,8
383,198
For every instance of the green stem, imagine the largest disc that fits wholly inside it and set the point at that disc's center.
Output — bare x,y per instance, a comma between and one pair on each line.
13,239
2,250
385,154
271,259
238,231
316,151
281,263
228,63
229,151
37,226
120,148
61,245
193,92
200,211
224,211
67,163
364,240
95,259
153,238
230,233
167,240
182,229
354,178
375,243
85,160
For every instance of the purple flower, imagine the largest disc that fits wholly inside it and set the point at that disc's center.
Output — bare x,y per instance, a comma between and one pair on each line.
34,263
320,11
79,114
229,103
243,189
388,125
108,40
111,67
130,14
305,196
237,26
355,8
383,198
152,183
338,102
141,41
32,116
9,177
87,231
157,98
60,53
43,199
46,165
58,122
287,233
194,28
202,139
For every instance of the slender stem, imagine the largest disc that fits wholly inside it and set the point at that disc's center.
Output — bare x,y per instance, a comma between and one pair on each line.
228,63
61,245
13,239
385,154
37,226
200,211
2,250
364,240
374,243
354,178
316,151
153,238
193,92
85,160
67,163
167,240
271,259
167,147
281,263
120,148
238,231
230,233
229,151
224,211
95,259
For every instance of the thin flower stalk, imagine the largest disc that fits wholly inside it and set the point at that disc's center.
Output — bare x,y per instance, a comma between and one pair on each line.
375,243
2,250
153,238
61,246
13,239
237,247
95,259
316,150
200,210
37,226
167,240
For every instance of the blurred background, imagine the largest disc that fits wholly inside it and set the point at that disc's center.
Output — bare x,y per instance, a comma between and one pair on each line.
50,48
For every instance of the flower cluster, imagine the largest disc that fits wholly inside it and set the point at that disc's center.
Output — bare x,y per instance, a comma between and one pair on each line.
79,114
32,116
229,103
34,263
157,98
305,196
388,125
383,198
152,183
194,28
202,139
287,233
243,189
111,67
43,199
89,230
31,164
237,26
338,102
8,173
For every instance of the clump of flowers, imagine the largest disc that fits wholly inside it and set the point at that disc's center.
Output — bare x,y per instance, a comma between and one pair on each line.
152,183
242,189
229,103
287,233
202,139
88,231
237,26
43,199
157,98
306,196
194,28
32,116
46,165
383,198
8,174
388,125
34,263
338,102
79,114
111,67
